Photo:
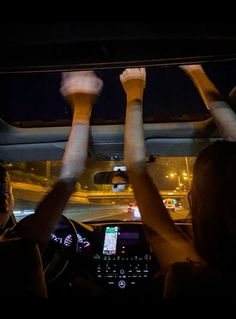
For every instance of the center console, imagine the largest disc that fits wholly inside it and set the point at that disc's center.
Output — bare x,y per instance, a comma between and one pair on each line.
125,260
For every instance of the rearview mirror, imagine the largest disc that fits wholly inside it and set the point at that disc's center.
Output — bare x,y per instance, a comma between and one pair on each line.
112,178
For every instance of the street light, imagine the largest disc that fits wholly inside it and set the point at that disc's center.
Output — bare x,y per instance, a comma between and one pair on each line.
178,176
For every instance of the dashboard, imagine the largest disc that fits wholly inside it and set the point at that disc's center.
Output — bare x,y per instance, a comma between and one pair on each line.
114,256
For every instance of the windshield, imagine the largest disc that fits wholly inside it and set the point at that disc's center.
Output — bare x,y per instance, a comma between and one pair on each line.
90,201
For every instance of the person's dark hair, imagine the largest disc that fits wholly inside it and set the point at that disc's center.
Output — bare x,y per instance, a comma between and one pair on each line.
3,187
213,204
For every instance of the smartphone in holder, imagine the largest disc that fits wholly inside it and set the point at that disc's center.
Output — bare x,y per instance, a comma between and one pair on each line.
110,240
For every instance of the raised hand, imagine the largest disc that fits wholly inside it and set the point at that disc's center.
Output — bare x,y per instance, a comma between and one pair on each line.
80,82
81,89
134,81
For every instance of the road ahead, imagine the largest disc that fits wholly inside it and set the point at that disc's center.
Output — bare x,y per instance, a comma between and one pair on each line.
81,207
84,212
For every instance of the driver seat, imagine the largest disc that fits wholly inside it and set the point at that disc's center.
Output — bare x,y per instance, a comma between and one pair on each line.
21,271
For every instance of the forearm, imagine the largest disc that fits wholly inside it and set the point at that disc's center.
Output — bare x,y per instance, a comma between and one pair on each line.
75,155
220,110
205,87
39,226
168,243
154,213
134,151
51,208
225,119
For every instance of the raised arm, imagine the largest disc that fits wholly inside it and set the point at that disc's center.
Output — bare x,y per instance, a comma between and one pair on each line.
167,241
81,90
223,115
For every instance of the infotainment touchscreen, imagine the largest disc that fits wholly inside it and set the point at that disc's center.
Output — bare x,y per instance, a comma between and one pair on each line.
110,241
124,241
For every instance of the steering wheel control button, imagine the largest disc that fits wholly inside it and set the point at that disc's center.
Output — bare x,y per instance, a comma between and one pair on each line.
121,284
122,271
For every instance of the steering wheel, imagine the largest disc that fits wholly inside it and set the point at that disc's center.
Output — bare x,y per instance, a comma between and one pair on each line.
60,248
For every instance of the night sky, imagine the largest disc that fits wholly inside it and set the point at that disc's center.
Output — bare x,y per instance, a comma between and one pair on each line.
168,93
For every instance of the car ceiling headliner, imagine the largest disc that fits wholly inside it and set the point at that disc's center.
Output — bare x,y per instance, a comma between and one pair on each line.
40,46
106,142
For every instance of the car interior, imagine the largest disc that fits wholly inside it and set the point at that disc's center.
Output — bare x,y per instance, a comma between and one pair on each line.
99,251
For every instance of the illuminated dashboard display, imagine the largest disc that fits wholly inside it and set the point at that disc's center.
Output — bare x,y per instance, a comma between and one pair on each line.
110,241
66,239
119,241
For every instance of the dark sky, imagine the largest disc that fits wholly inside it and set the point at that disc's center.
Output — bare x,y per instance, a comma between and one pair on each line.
168,92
